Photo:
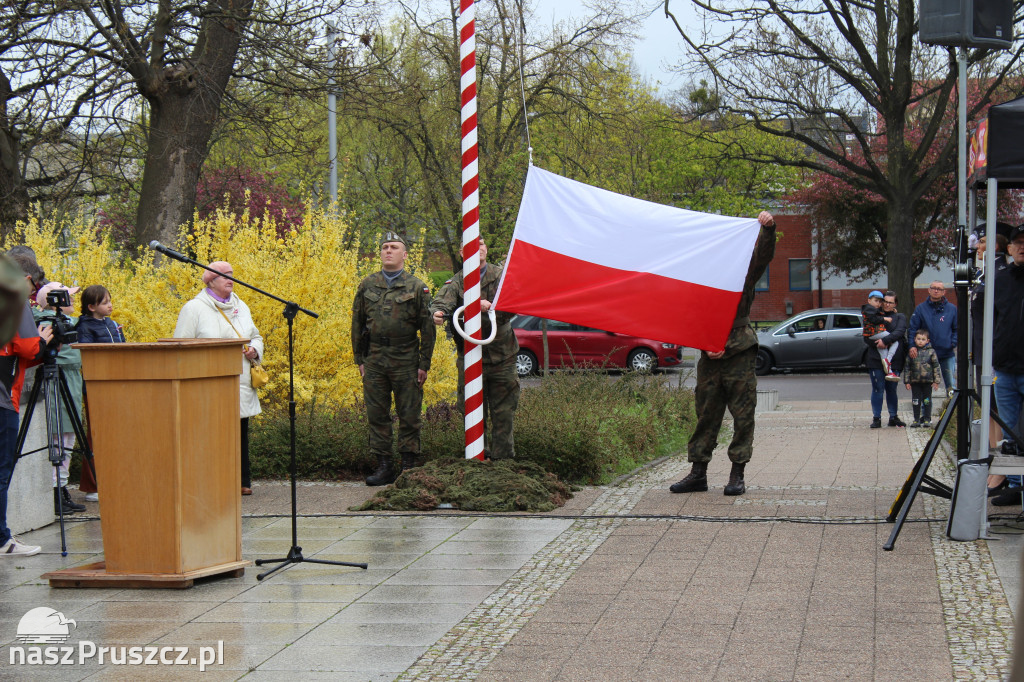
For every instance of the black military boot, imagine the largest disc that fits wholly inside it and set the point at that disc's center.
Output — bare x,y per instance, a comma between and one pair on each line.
695,482
66,502
735,485
385,473
408,461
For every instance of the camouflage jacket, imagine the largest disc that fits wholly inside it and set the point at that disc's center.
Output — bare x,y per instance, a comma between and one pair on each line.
924,369
742,335
449,298
385,321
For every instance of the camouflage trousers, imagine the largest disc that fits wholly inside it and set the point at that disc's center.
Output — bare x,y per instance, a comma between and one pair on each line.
378,386
501,398
731,383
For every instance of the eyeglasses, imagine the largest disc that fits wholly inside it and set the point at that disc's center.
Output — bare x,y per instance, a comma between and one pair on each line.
937,288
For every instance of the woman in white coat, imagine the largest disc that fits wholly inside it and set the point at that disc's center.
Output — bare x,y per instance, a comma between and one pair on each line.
217,313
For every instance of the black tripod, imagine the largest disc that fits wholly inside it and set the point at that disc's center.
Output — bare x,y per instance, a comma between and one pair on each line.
961,403
58,401
291,309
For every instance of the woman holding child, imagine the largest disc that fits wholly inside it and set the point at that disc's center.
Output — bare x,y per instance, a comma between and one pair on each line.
881,388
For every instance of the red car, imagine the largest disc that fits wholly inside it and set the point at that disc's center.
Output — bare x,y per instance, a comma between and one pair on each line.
572,345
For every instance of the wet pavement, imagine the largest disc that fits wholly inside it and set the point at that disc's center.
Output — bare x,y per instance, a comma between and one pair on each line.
787,582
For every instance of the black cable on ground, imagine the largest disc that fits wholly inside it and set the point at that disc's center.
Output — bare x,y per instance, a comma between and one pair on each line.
838,521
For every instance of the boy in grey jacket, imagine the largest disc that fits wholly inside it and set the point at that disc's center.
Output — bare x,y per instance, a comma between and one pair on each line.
921,376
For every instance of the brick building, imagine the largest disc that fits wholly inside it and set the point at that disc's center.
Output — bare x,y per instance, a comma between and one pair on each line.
791,285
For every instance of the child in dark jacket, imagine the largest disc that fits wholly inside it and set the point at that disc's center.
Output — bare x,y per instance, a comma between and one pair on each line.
921,376
95,326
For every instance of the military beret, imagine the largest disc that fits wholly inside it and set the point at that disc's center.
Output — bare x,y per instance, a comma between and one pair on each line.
393,237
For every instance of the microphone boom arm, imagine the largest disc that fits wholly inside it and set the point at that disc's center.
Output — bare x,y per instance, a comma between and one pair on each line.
171,253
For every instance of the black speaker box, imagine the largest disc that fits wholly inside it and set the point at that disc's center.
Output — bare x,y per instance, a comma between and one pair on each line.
971,23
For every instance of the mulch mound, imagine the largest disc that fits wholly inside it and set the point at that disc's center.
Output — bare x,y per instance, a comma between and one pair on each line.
471,485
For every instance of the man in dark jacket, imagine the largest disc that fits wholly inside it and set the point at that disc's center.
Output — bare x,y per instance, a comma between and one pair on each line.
879,386
938,316
726,379
1007,344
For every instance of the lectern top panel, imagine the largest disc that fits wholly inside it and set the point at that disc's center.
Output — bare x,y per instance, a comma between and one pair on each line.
162,344
180,359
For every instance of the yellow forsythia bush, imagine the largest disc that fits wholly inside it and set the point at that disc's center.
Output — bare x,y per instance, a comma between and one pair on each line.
313,266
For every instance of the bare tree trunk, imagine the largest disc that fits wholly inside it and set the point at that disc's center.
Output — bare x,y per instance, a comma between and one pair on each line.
177,145
13,193
900,253
184,105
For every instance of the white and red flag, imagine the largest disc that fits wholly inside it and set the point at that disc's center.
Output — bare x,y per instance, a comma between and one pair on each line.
588,256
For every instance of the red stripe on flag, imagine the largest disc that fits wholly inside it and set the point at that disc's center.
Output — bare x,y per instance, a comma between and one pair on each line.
552,285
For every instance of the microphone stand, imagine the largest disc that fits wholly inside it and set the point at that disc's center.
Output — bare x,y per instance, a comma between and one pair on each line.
291,309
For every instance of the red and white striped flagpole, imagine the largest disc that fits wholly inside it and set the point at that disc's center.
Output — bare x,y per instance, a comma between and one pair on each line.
474,400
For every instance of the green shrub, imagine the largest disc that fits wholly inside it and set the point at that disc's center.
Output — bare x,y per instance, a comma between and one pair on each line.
437,279
584,427
330,443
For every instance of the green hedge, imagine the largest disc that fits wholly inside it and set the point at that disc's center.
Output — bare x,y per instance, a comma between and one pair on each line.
582,426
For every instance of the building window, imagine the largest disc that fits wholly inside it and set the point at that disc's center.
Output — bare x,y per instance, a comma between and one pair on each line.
762,284
799,274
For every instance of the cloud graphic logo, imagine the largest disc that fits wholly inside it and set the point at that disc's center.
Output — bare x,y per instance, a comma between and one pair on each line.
43,625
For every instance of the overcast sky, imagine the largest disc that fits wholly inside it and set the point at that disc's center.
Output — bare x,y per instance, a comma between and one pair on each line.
659,47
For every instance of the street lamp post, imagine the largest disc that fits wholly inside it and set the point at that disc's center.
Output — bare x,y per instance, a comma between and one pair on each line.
332,112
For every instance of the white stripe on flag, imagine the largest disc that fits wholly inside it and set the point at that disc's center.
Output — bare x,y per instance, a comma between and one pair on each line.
621,232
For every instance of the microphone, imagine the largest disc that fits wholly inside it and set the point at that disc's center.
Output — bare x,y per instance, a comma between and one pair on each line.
157,246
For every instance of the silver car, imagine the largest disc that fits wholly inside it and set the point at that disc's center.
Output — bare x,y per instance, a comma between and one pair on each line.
827,338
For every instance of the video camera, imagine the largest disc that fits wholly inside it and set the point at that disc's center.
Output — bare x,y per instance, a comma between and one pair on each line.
64,331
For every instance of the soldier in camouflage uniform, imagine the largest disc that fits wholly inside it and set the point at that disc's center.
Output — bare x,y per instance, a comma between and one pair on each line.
501,383
727,379
390,309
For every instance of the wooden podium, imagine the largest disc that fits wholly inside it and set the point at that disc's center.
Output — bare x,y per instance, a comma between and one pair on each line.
165,428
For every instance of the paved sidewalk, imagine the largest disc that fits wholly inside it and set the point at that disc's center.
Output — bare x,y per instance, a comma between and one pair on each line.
787,582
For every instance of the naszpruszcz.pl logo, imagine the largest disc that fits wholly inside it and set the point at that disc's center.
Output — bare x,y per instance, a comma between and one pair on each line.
45,626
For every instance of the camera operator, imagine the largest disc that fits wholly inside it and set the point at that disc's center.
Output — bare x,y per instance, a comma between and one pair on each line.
25,258
54,308
23,350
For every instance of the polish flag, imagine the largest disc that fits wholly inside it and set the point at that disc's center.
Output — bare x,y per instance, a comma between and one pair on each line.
591,257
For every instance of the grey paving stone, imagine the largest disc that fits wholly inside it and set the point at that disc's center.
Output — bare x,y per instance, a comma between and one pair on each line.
427,594
302,592
402,613
454,576
374,634
343,658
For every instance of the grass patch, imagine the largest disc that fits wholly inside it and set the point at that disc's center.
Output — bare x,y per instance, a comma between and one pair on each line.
469,485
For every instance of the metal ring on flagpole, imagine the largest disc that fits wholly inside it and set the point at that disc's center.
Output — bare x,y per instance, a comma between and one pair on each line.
467,337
